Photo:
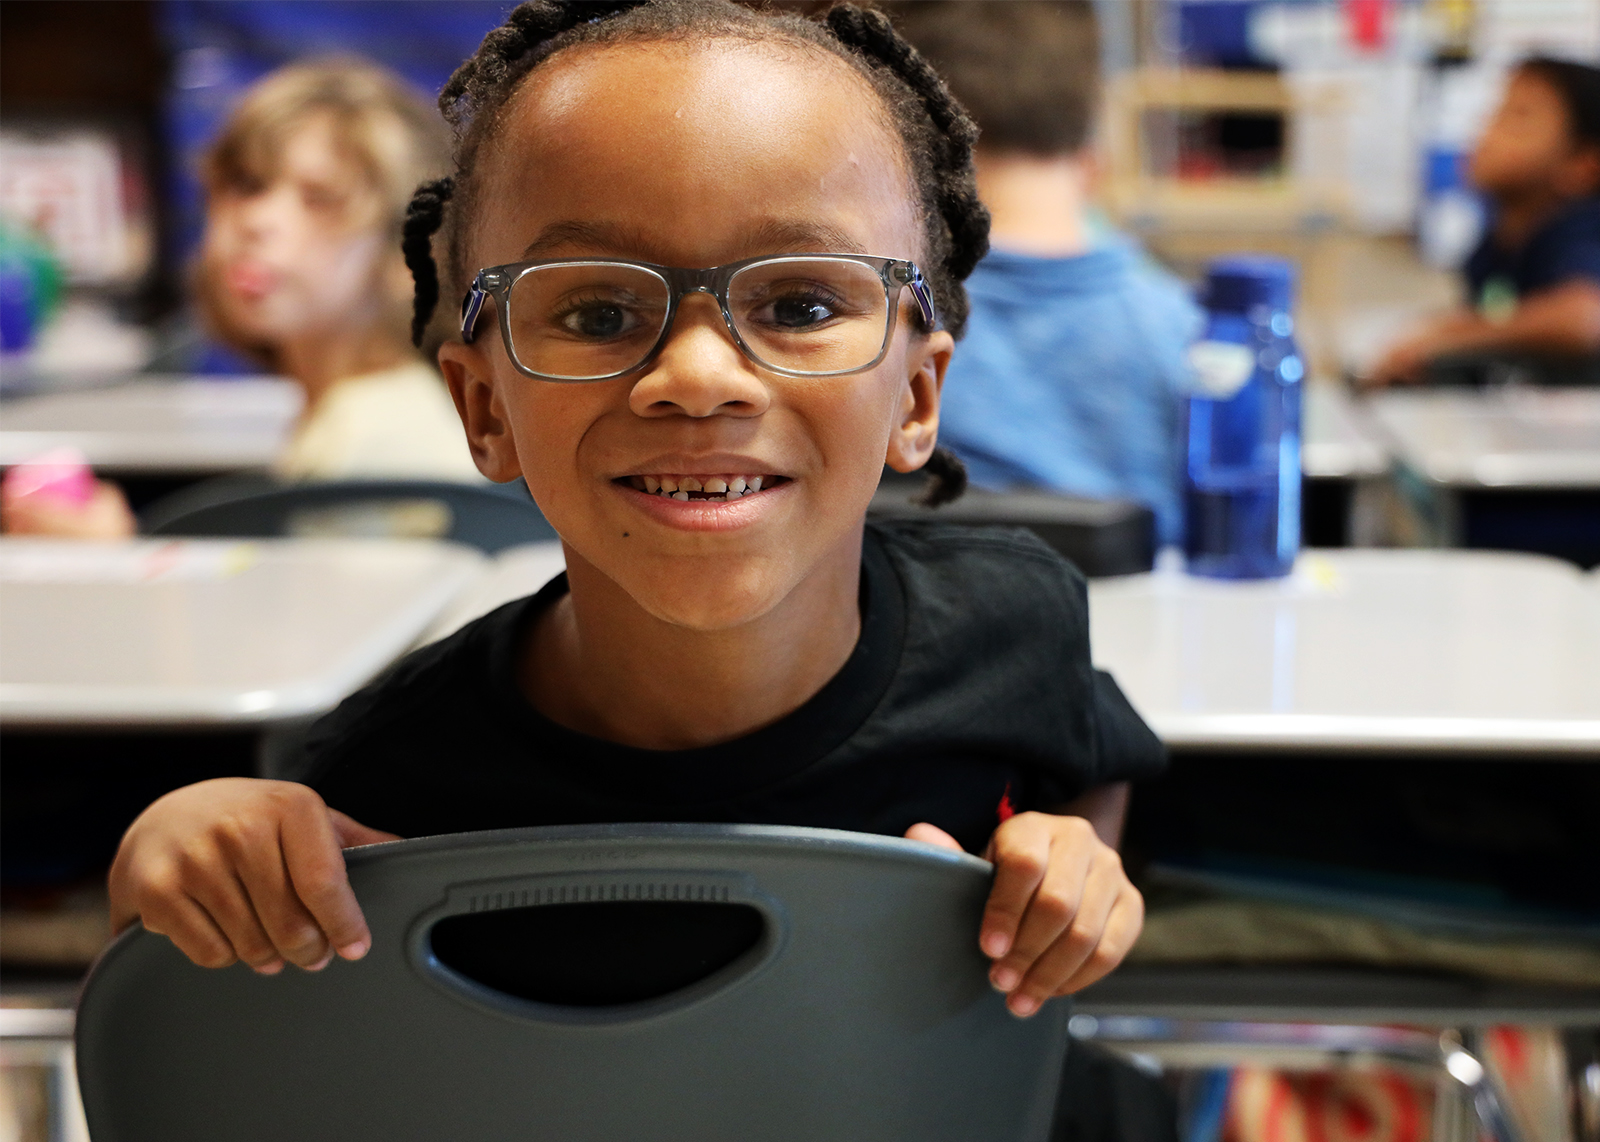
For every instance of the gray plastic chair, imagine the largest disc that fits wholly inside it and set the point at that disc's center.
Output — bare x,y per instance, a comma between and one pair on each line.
490,517
1103,537
632,983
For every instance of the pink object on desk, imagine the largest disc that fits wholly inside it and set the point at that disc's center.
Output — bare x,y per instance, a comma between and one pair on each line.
61,474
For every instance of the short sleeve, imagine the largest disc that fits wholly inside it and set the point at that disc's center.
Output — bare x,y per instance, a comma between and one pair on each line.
1127,748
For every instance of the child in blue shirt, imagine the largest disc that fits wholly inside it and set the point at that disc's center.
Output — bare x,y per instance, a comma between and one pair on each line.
1533,283
1072,368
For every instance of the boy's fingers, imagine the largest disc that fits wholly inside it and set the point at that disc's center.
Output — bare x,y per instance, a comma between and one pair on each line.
316,869
933,835
227,904
187,924
1021,854
351,832
1121,933
1072,947
1055,906
291,928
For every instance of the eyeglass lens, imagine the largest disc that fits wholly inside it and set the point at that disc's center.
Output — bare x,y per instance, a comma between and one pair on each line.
580,320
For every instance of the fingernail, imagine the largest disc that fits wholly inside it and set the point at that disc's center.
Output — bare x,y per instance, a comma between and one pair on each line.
996,944
1024,1006
327,958
353,951
271,967
1004,979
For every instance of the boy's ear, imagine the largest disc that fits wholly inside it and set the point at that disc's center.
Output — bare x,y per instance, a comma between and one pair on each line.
916,430
468,373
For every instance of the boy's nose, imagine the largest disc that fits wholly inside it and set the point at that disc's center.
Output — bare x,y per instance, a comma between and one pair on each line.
700,371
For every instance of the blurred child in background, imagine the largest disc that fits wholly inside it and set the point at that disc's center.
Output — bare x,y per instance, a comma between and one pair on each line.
1070,374
1533,284
301,266
300,269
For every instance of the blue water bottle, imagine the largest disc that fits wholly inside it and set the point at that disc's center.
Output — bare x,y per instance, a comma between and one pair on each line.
1242,425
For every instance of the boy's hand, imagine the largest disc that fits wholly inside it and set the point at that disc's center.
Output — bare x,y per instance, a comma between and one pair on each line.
241,869
1062,913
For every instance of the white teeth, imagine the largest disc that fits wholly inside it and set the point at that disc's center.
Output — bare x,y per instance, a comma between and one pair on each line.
732,495
736,485
668,485
755,483
690,484
716,485
652,485
680,495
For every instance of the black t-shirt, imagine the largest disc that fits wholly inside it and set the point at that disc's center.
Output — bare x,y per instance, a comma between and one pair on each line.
1564,248
970,687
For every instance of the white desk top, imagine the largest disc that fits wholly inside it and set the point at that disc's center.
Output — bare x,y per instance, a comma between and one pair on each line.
1339,442
209,631
1407,650
173,425
1511,438
514,573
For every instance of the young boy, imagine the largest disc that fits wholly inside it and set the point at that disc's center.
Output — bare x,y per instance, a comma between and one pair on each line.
1533,284
1070,373
711,261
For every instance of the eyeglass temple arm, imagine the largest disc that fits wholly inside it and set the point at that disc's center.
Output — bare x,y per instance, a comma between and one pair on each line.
908,273
471,306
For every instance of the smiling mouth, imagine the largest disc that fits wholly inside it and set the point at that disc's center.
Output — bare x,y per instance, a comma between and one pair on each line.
688,488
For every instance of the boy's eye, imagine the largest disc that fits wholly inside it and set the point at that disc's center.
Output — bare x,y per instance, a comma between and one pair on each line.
798,309
799,313
599,320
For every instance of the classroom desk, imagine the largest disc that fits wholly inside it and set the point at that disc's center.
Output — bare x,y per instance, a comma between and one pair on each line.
161,432
208,632
1362,649
1516,468
1425,679
1339,441
1507,438
1343,461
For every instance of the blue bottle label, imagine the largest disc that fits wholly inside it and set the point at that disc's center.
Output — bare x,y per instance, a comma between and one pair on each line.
1219,369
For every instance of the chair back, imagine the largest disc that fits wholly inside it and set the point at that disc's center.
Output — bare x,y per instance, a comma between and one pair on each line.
489,517
633,983
1103,537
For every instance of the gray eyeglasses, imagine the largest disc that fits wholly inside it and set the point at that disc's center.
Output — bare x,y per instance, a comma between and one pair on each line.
801,315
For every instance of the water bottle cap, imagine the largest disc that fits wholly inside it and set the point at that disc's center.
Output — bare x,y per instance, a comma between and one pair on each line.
1239,284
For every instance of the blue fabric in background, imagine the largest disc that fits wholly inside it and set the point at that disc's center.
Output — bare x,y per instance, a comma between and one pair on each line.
221,47
1071,375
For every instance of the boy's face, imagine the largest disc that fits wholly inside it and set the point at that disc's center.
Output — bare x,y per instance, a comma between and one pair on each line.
698,155
302,252
1528,145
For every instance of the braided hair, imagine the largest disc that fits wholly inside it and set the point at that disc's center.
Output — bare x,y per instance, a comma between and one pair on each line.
936,133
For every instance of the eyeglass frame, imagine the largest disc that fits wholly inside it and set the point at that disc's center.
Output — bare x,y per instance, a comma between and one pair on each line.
497,282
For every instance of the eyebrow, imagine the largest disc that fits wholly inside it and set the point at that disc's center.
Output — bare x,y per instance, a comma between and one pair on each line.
775,236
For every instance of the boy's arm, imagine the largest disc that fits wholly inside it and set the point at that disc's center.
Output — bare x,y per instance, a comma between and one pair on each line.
1106,808
243,869
1062,912
1564,319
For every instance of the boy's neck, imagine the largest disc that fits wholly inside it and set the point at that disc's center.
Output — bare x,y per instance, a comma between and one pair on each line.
1036,202
1518,216
599,664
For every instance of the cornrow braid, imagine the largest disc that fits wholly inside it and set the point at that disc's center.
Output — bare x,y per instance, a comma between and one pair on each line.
947,479
870,32
937,135
423,218
494,67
